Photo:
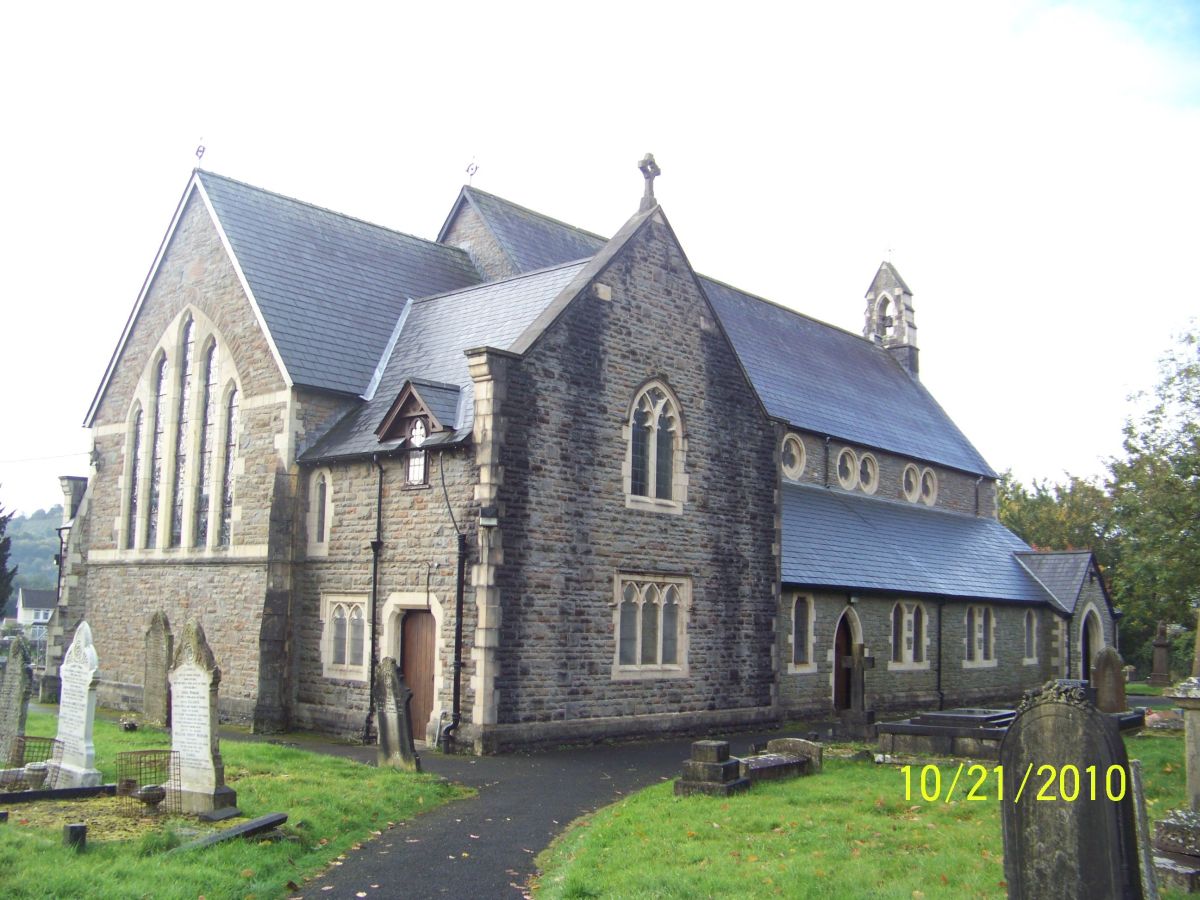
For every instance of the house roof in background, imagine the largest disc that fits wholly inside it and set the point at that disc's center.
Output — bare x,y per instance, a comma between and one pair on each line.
31,598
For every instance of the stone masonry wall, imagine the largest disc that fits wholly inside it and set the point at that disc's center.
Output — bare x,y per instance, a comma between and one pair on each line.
957,491
419,556
471,234
567,531
892,686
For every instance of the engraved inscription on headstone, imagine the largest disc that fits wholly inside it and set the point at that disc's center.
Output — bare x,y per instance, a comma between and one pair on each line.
194,681
79,675
1054,847
156,689
15,688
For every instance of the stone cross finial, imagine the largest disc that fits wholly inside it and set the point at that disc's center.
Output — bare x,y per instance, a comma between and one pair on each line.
650,171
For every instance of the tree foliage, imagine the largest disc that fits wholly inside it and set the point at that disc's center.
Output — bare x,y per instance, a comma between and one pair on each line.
1144,522
6,574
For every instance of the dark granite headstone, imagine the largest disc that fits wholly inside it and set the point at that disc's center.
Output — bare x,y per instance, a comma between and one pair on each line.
392,699
1053,847
156,690
15,688
1108,675
1160,661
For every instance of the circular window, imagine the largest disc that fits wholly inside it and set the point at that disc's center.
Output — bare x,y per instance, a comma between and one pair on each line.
911,483
847,469
868,473
793,457
929,487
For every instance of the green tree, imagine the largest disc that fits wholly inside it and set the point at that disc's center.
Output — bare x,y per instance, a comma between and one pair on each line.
6,574
1075,515
1156,495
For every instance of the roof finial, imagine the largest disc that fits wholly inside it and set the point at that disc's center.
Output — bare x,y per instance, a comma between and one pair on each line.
472,168
200,152
650,171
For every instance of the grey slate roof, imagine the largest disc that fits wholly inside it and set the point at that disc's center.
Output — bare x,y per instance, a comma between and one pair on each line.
32,598
430,348
1062,572
529,239
816,376
442,399
837,540
330,287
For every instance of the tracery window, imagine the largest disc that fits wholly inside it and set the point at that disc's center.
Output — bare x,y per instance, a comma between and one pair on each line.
182,431
651,625
208,428
231,427
908,636
793,457
156,454
919,485
980,637
135,464
656,448
343,640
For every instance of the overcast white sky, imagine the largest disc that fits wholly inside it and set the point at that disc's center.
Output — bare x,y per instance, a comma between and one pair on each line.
1032,166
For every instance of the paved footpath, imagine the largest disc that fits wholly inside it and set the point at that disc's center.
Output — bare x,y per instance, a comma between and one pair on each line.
484,847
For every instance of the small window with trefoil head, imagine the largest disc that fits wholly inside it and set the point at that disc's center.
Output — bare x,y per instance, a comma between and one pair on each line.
415,471
654,461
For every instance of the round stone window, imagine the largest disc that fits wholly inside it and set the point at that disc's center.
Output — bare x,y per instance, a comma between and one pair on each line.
911,483
929,487
847,469
868,473
793,457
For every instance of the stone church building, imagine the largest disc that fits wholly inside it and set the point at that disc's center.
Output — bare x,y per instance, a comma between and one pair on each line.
576,489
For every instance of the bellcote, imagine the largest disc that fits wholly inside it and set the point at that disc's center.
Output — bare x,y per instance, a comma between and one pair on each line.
890,320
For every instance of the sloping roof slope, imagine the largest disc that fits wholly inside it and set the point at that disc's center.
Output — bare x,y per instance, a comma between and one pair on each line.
529,239
830,381
831,539
813,375
32,598
330,287
431,345
1062,572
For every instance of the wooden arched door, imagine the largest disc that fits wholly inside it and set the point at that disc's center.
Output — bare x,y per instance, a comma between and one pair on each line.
842,649
416,662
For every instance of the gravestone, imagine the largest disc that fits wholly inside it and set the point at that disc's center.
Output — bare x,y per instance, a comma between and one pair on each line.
1108,676
1074,849
1177,836
711,770
15,688
1160,661
194,681
392,698
858,721
156,690
78,676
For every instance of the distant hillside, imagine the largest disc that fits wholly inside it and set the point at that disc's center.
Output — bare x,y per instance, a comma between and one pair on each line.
34,543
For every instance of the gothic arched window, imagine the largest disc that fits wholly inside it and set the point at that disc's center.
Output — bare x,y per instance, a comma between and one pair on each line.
183,418
157,448
656,448
231,427
208,428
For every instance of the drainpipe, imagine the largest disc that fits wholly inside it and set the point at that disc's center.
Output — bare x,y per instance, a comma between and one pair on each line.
941,695
376,547
1067,638
456,710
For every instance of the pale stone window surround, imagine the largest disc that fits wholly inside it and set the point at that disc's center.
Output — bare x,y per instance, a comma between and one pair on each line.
145,399
319,520
856,637
868,473
1090,614
919,485
803,610
929,486
910,648
416,462
847,469
979,641
650,591
645,401
346,609
132,484
1031,653
391,618
793,457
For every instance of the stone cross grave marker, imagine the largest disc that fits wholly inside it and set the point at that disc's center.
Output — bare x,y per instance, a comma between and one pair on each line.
15,688
1160,673
78,675
1073,849
156,690
194,681
392,698
858,663
1108,675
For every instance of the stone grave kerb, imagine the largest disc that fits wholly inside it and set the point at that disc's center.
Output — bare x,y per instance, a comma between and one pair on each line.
195,679
78,675
15,689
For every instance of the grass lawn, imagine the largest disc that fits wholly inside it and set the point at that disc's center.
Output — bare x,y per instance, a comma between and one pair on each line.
332,805
848,832
1141,689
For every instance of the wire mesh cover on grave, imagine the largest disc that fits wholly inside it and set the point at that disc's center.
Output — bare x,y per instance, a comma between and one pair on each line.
148,783
32,765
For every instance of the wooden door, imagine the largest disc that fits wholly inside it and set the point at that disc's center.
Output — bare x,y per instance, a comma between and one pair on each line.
416,662
841,673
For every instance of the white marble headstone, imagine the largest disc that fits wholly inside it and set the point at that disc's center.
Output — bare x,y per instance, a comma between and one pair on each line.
79,673
194,680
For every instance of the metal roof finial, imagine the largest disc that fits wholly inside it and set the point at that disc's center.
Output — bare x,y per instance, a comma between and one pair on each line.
650,171
200,151
472,168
